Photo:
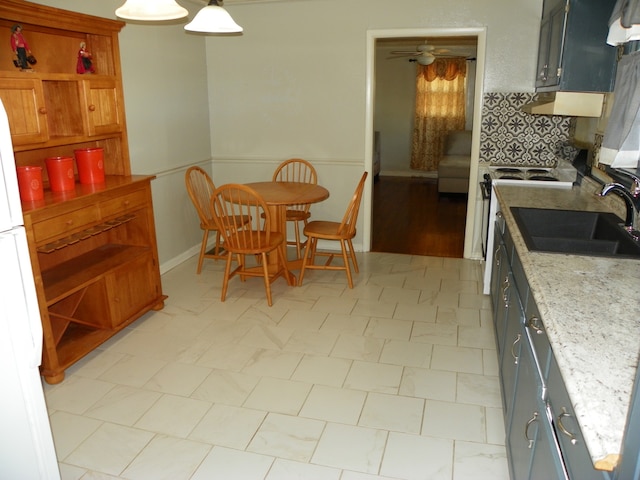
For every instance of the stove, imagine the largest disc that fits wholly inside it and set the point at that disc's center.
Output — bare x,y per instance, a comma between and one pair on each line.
561,177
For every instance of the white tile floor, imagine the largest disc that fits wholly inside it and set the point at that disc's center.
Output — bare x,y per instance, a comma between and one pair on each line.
395,379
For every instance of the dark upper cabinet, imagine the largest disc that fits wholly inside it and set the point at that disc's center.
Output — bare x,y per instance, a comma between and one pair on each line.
573,54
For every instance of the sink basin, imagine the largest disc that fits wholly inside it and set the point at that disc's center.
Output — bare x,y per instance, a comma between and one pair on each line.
575,231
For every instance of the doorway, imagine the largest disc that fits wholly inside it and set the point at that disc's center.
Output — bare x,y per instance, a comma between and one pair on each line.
407,40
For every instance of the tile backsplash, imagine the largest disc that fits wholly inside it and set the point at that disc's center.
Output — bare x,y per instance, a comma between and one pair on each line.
509,136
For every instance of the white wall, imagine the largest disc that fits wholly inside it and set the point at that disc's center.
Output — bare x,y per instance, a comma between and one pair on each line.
395,96
294,84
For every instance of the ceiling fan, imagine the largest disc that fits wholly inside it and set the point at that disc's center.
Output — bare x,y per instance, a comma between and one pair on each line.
424,54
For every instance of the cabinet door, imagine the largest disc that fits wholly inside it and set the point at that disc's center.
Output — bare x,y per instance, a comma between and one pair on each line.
511,355
23,100
102,112
533,451
132,288
574,449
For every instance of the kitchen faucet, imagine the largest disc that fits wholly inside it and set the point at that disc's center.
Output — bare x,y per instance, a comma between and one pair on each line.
631,196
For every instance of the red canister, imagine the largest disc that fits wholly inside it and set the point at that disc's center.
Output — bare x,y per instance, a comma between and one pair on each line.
60,171
30,183
90,163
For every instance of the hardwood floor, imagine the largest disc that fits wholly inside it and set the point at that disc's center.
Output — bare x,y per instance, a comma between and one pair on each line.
410,217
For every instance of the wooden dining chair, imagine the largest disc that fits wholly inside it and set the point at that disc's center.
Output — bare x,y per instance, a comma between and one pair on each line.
296,170
200,188
231,205
342,232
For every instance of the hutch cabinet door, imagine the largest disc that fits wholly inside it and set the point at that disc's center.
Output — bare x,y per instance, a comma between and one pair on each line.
23,100
103,114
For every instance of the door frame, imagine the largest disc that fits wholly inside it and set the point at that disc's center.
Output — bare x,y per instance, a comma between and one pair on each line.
472,231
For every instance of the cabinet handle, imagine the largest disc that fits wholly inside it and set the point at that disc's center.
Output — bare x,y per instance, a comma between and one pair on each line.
516,358
42,111
526,429
92,108
571,436
505,289
543,73
496,256
536,325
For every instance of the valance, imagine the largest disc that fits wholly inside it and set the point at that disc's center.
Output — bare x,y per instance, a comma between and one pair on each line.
624,23
444,69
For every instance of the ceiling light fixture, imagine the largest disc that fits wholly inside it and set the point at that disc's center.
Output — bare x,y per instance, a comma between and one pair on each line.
213,19
151,10
426,59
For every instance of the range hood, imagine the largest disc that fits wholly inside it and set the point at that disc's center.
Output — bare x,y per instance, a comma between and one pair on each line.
570,104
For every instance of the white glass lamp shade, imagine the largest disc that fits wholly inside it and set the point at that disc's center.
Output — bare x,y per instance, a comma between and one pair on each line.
213,19
426,59
151,10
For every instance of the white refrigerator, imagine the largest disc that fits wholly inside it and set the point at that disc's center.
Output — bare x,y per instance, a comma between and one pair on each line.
26,443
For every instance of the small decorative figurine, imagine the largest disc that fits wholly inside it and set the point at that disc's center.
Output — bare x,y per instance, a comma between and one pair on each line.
21,48
85,65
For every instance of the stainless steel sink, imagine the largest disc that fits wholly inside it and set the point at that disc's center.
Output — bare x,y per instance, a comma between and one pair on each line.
575,231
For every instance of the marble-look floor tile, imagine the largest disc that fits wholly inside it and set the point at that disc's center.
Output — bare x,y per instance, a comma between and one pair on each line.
374,377
225,463
178,378
173,415
123,405
70,430
356,347
167,458
431,384
277,395
434,333
287,469
284,436
457,359
410,354
418,457
226,387
456,421
228,426
351,448
320,370
471,458
332,404
479,390
392,412
110,449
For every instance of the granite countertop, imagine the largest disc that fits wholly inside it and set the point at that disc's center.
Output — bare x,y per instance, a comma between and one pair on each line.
589,307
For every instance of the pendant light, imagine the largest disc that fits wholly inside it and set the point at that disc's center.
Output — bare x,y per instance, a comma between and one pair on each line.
213,19
151,10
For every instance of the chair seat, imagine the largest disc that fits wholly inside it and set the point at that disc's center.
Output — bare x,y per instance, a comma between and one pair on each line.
250,239
297,215
326,230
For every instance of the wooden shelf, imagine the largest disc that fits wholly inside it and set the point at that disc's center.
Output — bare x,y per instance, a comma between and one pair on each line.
75,274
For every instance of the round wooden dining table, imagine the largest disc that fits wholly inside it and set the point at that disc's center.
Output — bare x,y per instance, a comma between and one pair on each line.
279,195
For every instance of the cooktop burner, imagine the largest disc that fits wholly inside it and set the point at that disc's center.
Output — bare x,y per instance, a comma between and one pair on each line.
542,178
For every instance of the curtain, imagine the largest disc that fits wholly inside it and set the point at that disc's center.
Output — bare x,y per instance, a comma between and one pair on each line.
440,108
621,142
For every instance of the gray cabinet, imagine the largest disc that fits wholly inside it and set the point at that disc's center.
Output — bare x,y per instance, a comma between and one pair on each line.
543,439
572,53
574,451
533,449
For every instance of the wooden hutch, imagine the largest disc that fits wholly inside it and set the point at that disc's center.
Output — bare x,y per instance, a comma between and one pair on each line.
93,249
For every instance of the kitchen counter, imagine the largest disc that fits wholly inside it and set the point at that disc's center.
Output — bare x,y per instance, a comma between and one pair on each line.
590,308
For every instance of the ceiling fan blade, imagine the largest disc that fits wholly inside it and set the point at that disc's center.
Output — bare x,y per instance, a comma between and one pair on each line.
404,52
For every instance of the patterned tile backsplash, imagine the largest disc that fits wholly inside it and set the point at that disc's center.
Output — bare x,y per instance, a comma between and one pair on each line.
509,136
